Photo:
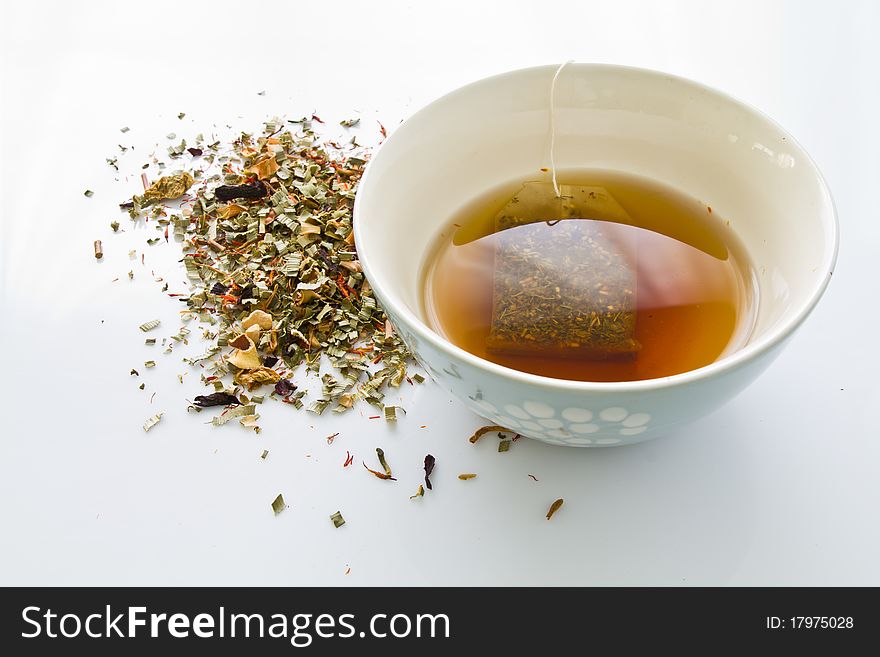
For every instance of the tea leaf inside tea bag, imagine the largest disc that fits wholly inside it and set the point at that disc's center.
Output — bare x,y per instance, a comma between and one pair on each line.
564,278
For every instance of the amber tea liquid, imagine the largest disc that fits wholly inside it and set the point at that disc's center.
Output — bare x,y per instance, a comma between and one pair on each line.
693,298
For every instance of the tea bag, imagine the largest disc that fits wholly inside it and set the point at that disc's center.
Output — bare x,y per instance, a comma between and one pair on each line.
564,275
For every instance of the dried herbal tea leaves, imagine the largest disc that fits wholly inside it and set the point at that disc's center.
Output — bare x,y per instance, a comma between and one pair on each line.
554,507
233,413
337,519
152,421
482,431
278,504
256,377
166,188
380,475
419,493
274,272
387,471
466,476
250,422
285,387
216,399
149,326
430,461
264,168
381,454
253,191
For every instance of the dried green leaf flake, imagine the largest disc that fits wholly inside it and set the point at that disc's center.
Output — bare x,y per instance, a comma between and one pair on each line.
337,519
233,413
149,326
278,504
381,454
152,421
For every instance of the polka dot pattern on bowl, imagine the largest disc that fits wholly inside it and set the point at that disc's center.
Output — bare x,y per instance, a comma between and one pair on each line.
573,425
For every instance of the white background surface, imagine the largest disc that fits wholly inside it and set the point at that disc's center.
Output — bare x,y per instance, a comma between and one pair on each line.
779,487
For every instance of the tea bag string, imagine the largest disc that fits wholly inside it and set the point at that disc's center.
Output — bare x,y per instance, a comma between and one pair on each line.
553,126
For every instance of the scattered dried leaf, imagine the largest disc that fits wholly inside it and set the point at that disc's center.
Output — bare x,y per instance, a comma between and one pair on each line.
258,318
216,399
484,430
430,461
554,507
149,326
278,504
253,379
381,454
166,188
153,421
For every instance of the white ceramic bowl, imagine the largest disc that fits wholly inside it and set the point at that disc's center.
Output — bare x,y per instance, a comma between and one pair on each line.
675,131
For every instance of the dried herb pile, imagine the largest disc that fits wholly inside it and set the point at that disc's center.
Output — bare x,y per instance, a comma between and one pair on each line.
275,284
266,231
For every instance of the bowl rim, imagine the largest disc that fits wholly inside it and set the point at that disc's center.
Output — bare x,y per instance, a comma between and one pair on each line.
728,363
